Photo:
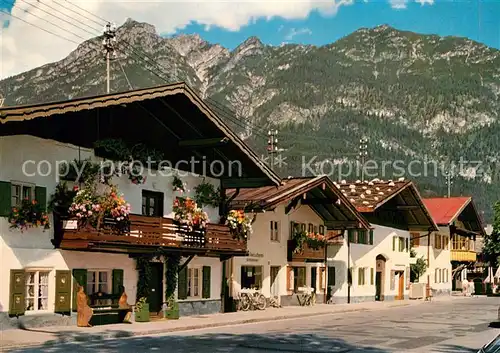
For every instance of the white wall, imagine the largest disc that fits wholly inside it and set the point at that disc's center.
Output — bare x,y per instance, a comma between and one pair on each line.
438,259
215,275
267,253
33,247
364,256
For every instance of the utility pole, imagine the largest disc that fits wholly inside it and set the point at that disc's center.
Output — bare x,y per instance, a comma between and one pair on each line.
108,44
449,182
272,145
363,153
2,100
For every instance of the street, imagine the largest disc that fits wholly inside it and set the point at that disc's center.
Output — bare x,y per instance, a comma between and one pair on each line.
448,326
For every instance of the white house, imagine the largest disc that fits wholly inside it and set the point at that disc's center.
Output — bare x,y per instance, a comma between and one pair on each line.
40,270
452,250
307,205
378,260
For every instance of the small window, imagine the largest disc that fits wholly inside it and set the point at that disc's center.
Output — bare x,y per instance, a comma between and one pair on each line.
37,290
372,276
194,283
311,228
322,230
303,227
274,230
21,191
401,244
98,281
152,203
361,276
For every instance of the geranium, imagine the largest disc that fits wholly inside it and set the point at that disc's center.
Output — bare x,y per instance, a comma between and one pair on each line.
28,215
187,212
239,224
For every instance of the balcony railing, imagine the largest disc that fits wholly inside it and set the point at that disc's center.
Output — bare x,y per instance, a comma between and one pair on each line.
148,233
306,253
463,255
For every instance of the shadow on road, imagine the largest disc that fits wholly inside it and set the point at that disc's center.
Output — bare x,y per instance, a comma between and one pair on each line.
451,348
119,341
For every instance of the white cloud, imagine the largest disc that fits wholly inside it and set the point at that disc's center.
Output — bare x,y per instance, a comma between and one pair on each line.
296,32
24,47
423,2
398,4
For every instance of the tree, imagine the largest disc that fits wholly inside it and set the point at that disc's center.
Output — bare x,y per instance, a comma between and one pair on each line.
491,244
418,268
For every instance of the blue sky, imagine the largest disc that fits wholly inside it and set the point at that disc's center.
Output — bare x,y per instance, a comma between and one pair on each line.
477,20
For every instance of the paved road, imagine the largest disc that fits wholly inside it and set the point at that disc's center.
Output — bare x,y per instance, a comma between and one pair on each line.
457,326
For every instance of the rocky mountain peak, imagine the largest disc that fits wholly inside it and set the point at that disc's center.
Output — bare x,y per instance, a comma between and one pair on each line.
132,27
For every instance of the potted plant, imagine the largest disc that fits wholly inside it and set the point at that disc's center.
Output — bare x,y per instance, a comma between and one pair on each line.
28,215
239,224
142,310
187,212
172,311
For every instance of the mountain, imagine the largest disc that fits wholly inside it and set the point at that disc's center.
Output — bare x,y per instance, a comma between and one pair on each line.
423,101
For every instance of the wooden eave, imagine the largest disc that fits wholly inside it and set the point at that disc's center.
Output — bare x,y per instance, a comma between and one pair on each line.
169,118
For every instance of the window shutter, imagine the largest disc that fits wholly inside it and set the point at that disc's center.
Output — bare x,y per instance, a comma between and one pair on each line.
206,282
331,276
182,283
359,276
372,275
371,236
17,292
394,243
5,199
79,278
41,196
117,281
350,234
406,244
63,292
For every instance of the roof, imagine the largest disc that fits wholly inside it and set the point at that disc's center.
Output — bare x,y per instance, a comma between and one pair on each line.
170,113
369,196
318,192
447,210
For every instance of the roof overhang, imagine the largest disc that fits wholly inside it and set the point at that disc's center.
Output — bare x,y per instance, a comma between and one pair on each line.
171,119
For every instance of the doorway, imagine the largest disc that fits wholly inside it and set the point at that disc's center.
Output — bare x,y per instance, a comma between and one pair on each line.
156,287
274,280
314,274
401,285
380,277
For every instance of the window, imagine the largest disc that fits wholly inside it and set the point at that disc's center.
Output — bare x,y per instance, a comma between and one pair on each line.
446,242
372,276
446,278
98,281
401,244
20,191
361,276
436,276
437,241
274,280
299,275
37,290
331,276
310,228
152,203
415,239
322,278
274,230
322,230
194,279
251,277
362,238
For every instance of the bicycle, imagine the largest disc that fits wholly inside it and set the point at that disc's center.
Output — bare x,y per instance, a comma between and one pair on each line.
253,301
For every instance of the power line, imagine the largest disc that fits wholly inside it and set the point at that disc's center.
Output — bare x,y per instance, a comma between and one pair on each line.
79,14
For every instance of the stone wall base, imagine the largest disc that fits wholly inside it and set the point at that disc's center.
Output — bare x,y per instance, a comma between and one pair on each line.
201,307
35,321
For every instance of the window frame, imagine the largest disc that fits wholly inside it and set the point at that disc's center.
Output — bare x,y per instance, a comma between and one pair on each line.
21,185
191,284
97,283
159,199
36,289
274,229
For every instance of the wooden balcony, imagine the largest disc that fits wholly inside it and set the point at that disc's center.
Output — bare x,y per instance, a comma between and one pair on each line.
307,253
148,234
463,255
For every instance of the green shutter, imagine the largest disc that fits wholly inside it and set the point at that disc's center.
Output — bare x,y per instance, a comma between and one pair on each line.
63,292
182,283
17,292
5,198
117,281
206,282
41,196
394,243
406,244
79,278
371,236
331,276
350,234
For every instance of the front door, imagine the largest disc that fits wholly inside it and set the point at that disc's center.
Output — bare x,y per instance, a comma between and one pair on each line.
274,280
156,287
313,277
378,286
401,286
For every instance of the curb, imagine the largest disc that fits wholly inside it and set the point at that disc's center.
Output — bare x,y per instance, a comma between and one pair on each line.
128,334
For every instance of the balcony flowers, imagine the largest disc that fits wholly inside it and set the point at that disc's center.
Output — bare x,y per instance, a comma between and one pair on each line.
239,224
187,212
313,240
28,215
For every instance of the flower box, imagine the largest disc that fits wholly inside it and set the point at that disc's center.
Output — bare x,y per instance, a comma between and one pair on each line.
142,315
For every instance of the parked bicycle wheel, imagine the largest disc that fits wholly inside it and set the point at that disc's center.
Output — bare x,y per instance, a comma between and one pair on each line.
245,302
261,302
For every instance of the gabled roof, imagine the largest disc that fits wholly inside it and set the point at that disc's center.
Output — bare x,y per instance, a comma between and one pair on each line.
369,196
172,118
446,210
317,192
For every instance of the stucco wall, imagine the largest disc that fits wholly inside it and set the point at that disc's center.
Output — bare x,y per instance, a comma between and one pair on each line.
33,249
438,259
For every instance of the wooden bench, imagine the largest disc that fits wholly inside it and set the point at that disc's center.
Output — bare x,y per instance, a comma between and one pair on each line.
106,309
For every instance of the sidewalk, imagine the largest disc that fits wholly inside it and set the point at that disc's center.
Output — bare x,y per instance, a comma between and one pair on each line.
56,334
